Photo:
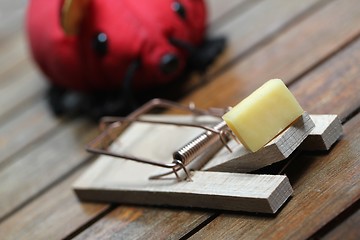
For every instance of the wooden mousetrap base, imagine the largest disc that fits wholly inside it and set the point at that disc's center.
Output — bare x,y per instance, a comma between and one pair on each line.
122,181
214,190
309,132
243,160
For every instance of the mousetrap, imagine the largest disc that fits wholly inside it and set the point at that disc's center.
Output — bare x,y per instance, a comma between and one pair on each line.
194,160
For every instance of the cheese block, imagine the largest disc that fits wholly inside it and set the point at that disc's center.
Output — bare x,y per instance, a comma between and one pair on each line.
263,115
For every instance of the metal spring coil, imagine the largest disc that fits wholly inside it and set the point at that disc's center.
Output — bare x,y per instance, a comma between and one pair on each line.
199,144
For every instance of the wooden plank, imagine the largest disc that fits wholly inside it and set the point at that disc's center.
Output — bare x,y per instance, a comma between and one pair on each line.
40,167
22,85
349,229
11,17
14,144
55,214
33,123
320,183
210,190
12,51
217,9
139,223
256,24
339,99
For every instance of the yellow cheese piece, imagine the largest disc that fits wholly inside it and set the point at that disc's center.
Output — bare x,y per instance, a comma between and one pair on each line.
262,115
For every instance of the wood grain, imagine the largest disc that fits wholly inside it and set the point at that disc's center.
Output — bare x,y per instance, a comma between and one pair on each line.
139,223
243,160
260,22
338,84
218,9
33,123
19,88
54,215
209,190
349,229
36,168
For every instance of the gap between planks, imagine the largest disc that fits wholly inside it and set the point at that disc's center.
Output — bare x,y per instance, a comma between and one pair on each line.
259,43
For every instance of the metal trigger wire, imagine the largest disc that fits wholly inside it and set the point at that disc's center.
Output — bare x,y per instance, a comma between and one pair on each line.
113,126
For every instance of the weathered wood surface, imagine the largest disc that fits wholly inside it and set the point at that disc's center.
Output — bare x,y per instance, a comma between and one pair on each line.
312,45
258,193
348,228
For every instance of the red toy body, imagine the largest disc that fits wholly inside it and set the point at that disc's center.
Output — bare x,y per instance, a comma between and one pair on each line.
133,30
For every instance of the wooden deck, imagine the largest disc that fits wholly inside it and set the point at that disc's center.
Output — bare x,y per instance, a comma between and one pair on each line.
313,45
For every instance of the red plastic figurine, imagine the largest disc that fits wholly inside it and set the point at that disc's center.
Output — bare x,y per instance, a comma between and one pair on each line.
99,53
